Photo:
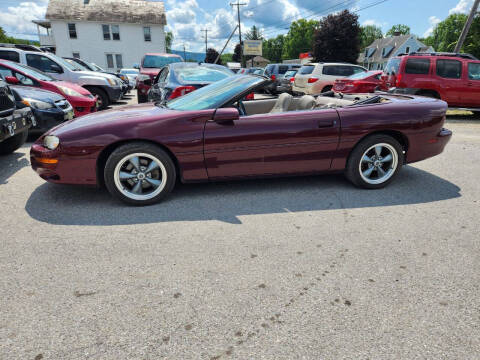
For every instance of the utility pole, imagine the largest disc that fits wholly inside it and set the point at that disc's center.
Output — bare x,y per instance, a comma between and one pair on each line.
467,26
184,55
238,4
228,40
206,39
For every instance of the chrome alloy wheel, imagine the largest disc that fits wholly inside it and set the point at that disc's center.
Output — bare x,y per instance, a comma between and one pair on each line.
140,176
378,163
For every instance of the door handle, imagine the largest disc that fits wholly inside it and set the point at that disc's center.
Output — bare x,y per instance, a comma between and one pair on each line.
324,124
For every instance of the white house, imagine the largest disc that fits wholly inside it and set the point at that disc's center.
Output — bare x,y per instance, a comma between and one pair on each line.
376,56
110,33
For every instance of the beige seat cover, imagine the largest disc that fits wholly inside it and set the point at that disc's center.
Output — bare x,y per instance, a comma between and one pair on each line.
306,102
282,104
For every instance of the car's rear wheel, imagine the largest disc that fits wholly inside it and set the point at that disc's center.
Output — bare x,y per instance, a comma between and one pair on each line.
375,162
139,173
327,88
11,144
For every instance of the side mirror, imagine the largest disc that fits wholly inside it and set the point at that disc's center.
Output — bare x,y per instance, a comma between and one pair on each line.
226,115
148,82
12,80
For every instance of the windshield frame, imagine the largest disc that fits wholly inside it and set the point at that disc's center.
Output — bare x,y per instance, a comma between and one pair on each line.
25,69
226,102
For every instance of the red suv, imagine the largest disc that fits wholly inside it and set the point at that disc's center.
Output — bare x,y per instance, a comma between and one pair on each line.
454,78
149,69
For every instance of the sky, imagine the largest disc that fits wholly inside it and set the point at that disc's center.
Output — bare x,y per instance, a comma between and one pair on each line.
186,18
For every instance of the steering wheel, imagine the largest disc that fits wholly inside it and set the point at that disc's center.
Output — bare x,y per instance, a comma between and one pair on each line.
241,108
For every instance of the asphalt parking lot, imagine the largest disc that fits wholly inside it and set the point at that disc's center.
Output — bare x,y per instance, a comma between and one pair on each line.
295,268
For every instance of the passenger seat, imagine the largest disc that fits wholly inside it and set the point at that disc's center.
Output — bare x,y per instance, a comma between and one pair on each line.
306,102
282,104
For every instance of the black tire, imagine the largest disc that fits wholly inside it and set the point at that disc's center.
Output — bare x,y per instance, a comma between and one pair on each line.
141,98
355,162
115,163
327,89
103,100
11,144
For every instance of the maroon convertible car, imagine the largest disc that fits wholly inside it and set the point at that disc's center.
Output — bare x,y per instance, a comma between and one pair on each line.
139,151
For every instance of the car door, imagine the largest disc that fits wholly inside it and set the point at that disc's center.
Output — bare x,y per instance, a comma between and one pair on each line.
47,65
293,142
472,95
449,74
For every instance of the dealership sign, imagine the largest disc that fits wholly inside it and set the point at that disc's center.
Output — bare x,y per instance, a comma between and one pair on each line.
252,47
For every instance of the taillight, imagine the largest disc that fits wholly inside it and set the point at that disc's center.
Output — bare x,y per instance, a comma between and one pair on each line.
181,90
292,80
273,77
399,79
312,80
250,96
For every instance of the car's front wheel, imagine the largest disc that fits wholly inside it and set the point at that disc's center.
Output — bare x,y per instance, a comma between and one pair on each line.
139,173
375,162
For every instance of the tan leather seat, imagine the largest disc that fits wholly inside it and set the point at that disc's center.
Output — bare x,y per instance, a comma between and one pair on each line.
282,104
306,102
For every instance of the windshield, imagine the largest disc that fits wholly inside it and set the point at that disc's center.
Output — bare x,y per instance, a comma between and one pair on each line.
157,61
27,70
290,73
362,75
76,65
306,69
130,71
214,95
189,74
61,61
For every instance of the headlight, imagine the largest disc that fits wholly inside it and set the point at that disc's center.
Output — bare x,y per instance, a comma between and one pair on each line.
51,142
68,91
111,81
37,104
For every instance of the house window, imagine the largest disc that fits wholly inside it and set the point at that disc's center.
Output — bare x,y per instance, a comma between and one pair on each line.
106,32
76,55
115,32
114,61
407,50
118,60
72,31
146,34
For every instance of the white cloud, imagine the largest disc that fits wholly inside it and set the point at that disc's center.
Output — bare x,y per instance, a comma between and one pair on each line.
463,7
433,21
183,13
271,13
17,20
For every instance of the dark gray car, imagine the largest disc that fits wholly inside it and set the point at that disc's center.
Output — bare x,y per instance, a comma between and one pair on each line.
276,73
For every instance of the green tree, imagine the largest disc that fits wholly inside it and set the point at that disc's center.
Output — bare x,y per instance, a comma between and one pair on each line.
446,34
226,58
368,34
400,29
254,34
237,53
299,38
4,38
338,38
211,56
168,41
272,48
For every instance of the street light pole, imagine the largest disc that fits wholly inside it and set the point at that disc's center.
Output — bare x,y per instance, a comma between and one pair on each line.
238,4
467,26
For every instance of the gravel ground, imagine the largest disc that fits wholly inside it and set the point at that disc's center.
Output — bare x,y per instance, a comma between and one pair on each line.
296,268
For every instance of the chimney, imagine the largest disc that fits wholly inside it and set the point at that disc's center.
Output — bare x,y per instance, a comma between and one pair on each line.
397,33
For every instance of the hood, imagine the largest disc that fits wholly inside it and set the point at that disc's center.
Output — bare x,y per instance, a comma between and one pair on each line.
97,74
36,94
125,114
77,88
152,72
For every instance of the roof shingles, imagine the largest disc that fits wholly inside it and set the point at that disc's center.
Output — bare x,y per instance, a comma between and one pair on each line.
119,11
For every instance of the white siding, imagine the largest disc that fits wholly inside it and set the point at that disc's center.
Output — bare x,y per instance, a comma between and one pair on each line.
91,46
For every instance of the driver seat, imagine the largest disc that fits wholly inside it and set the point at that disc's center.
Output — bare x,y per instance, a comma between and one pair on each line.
282,104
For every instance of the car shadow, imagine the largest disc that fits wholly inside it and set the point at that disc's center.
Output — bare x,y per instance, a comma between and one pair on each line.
71,205
10,164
